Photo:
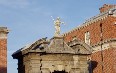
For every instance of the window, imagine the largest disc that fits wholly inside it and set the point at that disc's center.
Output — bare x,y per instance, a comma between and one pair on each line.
87,38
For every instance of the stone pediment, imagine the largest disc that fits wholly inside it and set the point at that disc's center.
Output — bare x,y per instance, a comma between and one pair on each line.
80,47
31,47
57,45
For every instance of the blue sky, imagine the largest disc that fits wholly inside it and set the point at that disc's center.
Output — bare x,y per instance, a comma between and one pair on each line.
30,20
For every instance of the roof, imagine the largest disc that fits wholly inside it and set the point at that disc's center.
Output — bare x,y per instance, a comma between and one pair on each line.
80,46
93,19
56,45
28,47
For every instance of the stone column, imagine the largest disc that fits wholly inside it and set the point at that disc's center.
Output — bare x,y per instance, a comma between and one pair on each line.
3,49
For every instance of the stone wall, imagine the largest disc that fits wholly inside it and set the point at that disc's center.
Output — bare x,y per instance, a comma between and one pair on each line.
48,63
29,63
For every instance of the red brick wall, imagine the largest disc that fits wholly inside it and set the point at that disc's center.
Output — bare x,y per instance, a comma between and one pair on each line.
109,61
109,32
114,58
3,56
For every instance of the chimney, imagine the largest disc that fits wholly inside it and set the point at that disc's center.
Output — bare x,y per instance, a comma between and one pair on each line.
3,49
106,7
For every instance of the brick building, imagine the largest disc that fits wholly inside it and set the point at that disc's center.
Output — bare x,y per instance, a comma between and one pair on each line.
70,54
100,33
3,49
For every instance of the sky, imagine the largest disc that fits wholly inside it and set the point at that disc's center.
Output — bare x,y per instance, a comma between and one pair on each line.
30,20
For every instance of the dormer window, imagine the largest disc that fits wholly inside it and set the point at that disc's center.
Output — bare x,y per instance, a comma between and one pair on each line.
87,38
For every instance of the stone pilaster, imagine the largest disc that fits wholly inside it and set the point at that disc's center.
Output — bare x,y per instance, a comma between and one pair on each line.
83,64
32,63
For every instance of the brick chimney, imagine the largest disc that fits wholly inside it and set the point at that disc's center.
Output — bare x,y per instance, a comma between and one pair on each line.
106,7
3,49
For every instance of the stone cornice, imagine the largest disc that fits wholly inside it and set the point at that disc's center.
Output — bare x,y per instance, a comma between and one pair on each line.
94,19
29,47
110,43
83,45
103,42
3,32
4,29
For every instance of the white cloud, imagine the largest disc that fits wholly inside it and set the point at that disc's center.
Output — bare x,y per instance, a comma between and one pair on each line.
15,3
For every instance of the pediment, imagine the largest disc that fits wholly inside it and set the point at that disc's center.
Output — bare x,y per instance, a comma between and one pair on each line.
57,45
36,46
80,47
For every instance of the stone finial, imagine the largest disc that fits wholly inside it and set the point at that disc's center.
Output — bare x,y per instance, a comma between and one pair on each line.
3,32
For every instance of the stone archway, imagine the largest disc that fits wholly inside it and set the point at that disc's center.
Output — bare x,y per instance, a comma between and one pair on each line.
59,72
